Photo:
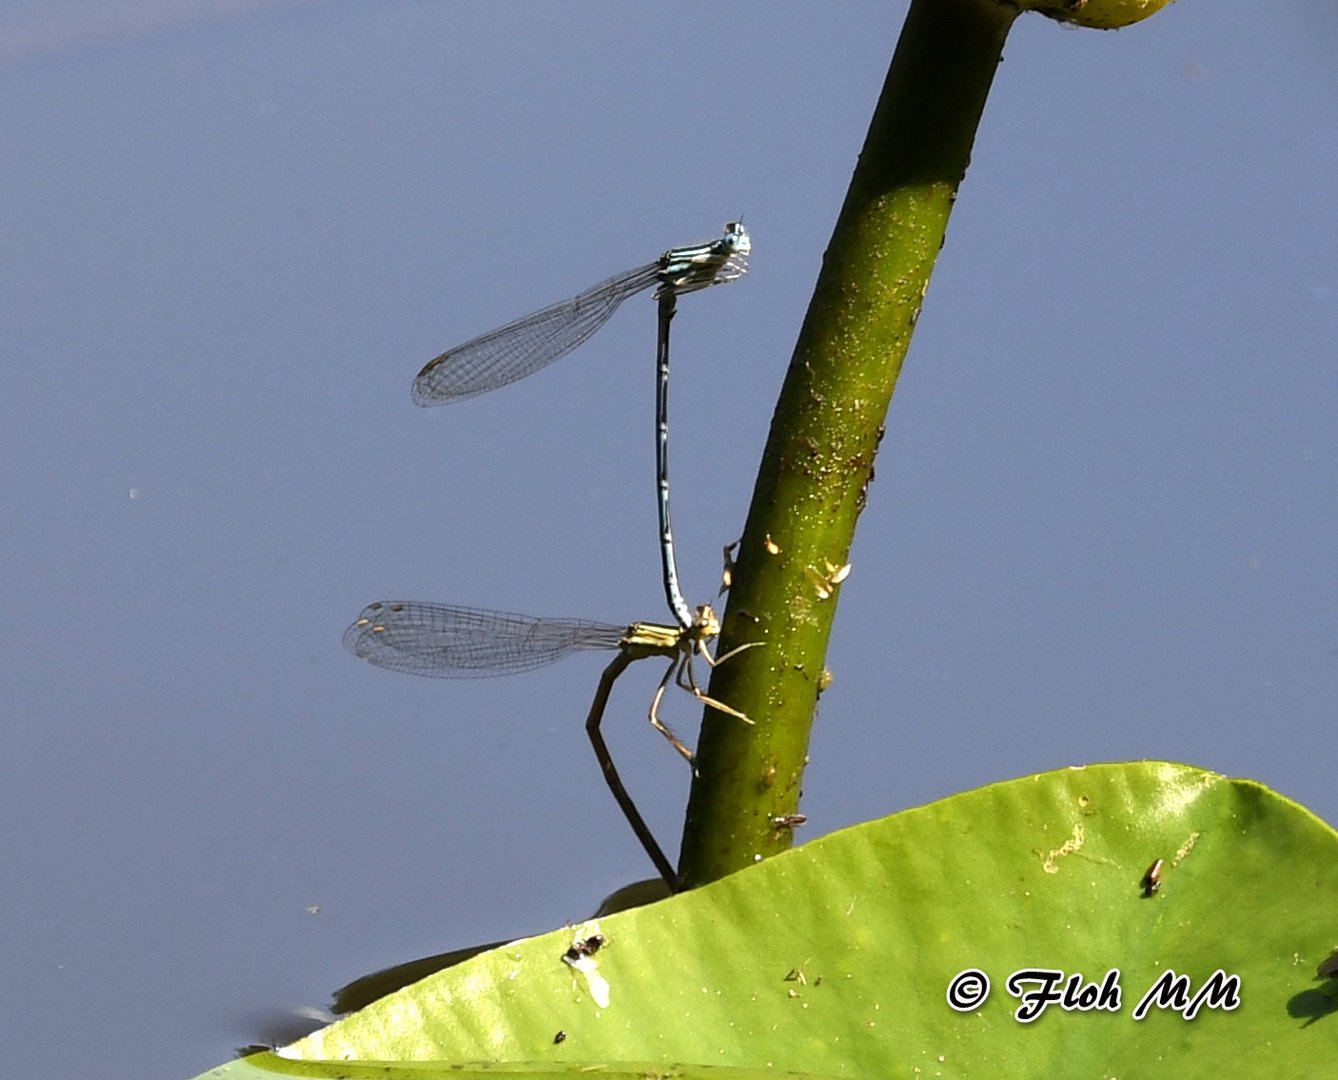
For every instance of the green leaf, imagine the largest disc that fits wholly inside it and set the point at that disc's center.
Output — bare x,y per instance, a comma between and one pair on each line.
835,958
269,1066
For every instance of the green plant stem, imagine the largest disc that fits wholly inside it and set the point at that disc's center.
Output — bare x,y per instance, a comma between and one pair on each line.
819,456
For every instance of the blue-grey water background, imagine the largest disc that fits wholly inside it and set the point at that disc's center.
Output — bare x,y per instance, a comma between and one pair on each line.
1102,527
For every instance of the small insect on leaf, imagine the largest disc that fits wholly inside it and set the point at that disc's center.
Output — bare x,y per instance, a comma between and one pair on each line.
580,957
585,947
1152,878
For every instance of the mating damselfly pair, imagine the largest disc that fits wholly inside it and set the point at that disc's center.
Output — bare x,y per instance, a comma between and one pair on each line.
449,641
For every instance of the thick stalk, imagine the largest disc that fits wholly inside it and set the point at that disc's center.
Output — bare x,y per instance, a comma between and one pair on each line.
819,456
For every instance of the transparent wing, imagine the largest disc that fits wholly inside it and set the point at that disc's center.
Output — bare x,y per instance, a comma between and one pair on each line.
443,641
522,347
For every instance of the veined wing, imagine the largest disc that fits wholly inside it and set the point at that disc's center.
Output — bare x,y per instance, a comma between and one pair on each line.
522,347
443,641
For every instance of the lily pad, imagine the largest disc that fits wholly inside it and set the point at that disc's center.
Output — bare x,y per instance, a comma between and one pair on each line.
839,957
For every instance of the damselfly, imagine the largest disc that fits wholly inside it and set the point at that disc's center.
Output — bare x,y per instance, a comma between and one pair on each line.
534,341
447,641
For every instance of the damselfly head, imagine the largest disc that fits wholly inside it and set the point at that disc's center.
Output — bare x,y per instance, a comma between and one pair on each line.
706,624
737,238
